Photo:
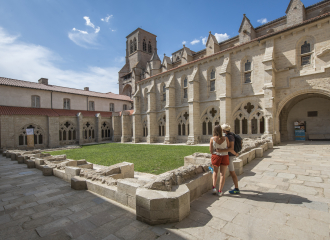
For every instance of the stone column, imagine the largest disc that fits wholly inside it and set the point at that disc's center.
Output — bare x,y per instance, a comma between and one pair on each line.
126,123
116,123
195,128
171,125
98,125
53,132
152,116
137,122
80,135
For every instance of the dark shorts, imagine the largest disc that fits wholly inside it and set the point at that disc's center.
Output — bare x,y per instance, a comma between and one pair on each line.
219,160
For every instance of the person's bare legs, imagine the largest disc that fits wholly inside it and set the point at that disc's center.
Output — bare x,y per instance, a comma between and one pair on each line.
223,169
234,177
215,175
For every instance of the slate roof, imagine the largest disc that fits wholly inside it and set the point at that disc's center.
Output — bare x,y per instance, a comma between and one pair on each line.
34,85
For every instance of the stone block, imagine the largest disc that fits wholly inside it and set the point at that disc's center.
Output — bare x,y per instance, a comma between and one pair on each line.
127,170
131,202
8,155
30,164
88,166
39,162
78,183
238,163
47,171
81,162
71,163
122,198
252,155
102,189
72,171
239,171
59,173
4,154
259,152
13,156
127,187
270,145
20,159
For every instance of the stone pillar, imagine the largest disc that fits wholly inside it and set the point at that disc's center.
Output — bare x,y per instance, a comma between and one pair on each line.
80,135
152,116
116,124
98,125
53,132
225,111
126,123
137,122
223,88
171,125
195,128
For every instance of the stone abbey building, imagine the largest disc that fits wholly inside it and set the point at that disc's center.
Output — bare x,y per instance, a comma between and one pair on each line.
260,82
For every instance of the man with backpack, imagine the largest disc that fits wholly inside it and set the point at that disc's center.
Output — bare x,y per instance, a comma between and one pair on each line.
235,143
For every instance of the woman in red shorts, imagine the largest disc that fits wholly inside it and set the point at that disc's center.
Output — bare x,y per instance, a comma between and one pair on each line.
219,159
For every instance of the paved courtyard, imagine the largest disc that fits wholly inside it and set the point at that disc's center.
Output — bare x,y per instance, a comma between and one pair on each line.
285,195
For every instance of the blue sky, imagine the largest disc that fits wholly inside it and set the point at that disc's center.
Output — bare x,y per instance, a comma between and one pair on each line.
81,43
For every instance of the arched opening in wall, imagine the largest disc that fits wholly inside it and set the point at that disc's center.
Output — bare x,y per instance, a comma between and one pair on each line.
244,126
37,132
105,131
127,90
210,118
67,133
309,108
88,132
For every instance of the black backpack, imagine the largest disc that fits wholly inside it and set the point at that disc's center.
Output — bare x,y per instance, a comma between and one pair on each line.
238,142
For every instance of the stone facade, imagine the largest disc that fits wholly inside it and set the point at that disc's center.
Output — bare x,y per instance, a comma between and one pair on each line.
255,81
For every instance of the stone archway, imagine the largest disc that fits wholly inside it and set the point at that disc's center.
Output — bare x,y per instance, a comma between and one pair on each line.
311,106
127,90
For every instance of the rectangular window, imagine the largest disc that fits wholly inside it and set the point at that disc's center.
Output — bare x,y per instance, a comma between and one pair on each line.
185,93
35,101
312,114
305,60
212,85
91,106
247,77
112,107
124,107
66,103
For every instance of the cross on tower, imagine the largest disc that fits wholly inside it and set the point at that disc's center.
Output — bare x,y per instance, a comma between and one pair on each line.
249,107
186,115
87,124
67,124
213,112
104,124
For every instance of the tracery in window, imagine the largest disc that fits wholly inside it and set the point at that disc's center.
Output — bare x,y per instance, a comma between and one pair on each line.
67,133
105,131
183,124
38,135
162,126
209,120
88,132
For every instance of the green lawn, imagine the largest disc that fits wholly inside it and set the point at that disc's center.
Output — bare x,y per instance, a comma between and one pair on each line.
155,159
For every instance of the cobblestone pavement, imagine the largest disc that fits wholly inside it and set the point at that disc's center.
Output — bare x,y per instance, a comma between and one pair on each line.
285,195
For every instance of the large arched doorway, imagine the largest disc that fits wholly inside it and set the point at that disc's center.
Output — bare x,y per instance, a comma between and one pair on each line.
127,90
312,108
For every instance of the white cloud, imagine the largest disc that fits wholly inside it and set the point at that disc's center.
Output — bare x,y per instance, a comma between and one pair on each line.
221,37
29,62
184,43
107,18
84,38
194,42
262,20
204,40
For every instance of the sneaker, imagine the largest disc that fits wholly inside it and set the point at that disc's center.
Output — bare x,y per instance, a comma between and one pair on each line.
220,194
235,191
214,191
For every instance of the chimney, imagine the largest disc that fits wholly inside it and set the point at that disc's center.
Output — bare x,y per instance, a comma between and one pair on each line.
86,88
43,81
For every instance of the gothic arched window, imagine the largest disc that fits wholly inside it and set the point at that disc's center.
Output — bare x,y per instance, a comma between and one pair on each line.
134,43
131,47
144,45
237,126
212,80
149,47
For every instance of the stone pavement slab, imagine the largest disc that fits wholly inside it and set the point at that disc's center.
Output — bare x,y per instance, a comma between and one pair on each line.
285,195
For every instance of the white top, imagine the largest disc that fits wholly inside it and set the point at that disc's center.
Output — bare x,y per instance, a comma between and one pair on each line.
220,146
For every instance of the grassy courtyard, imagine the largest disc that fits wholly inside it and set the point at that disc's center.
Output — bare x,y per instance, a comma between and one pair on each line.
155,159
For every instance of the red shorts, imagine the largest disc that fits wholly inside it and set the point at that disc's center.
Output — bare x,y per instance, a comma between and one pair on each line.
219,160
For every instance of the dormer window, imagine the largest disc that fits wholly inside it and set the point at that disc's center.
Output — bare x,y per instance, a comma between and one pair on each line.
247,72
212,80
306,54
185,88
144,45
149,47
